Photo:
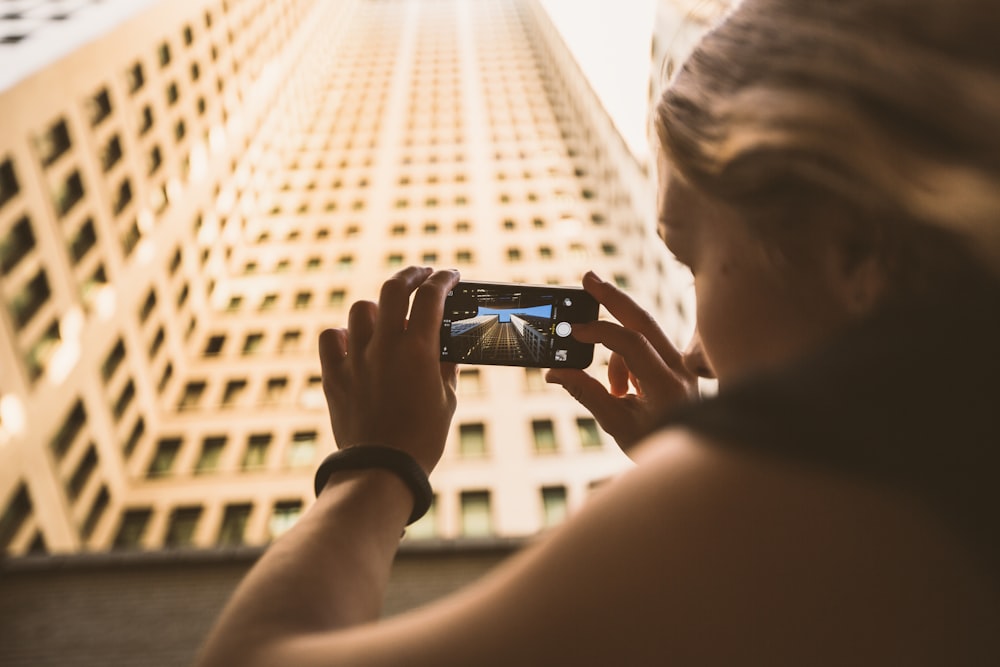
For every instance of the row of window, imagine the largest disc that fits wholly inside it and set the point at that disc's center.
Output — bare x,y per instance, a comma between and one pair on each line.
299,453
475,506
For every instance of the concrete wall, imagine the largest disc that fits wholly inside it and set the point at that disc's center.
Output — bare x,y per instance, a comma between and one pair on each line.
153,608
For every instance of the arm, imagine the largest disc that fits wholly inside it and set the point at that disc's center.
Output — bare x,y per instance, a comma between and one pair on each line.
694,556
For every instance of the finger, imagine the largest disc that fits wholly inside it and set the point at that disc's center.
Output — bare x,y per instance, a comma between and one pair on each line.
360,328
590,393
449,374
332,353
638,355
618,374
632,316
394,299
428,304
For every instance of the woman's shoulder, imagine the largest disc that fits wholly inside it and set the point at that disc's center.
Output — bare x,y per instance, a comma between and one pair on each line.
798,549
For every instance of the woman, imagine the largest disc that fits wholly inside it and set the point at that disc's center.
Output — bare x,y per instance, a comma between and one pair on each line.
831,174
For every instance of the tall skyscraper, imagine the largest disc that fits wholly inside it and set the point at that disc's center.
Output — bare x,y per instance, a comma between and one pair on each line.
190,192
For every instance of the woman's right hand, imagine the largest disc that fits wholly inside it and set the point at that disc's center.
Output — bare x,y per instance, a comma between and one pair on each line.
642,356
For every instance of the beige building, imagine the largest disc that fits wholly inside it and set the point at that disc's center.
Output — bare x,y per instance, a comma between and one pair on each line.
190,192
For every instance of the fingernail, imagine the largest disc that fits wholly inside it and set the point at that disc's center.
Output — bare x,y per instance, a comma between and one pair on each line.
593,276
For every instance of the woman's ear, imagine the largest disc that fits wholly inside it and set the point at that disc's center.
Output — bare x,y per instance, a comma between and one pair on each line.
858,268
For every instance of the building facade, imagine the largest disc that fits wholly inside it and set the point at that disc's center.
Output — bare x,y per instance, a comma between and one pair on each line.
191,192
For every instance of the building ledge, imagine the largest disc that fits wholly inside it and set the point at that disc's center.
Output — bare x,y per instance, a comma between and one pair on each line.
240,554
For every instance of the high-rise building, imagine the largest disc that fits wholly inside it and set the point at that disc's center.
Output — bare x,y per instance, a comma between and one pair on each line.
190,192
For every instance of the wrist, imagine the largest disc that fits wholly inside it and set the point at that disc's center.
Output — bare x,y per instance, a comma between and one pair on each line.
388,460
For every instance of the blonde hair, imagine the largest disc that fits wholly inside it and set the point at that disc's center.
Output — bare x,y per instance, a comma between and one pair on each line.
888,107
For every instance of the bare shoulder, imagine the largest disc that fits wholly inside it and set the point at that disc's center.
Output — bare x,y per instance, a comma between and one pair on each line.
700,555
818,562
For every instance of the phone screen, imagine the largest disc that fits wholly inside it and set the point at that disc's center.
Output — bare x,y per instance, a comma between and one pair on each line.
507,324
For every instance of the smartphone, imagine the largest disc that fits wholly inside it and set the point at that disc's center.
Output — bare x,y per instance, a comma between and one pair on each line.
508,324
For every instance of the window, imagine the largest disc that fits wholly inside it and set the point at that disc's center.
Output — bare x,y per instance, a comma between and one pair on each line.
172,93
30,299
302,300
472,440
252,343
53,143
82,473
111,153
132,528
113,360
290,340
275,389
463,256
154,160
398,230
157,343
234,524
313,264
545,252
182,526
283,517
554,507
590,437
68,194
545,436
83,241
147,306
163,460
14,516
8,182
98,107
470,382
394,260
477,519
336,298
234,303
255,456
513,254
312,394
193,392
164,54
134,78
234,390
16,244
131,238
609,249
621,281
94,515
344,262
211,453
214,345
302,450
145,120
138,430
168,372
268,302
534,381
426,527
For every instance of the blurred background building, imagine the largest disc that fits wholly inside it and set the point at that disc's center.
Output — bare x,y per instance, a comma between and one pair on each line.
191,191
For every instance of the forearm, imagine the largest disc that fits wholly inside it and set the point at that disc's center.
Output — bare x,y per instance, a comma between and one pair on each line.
329,571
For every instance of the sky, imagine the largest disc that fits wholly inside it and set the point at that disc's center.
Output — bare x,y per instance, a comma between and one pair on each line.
505,313
611,41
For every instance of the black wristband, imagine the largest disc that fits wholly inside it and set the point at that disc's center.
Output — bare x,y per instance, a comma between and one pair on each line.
372,456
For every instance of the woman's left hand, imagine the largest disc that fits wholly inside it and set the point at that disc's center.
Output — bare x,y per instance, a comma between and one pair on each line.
382,377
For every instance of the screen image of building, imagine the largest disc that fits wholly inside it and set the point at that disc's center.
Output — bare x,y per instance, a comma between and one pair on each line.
190,192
